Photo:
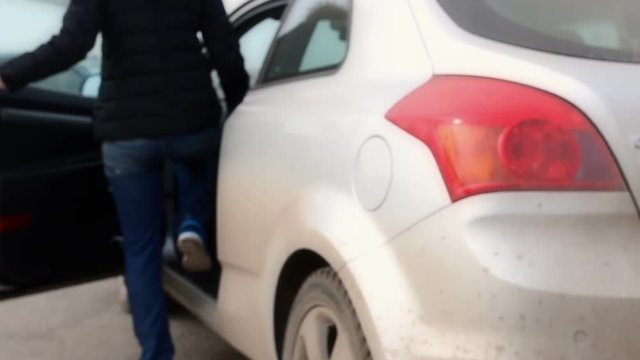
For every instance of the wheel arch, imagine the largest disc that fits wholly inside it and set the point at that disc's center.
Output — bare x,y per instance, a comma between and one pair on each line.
325,228
295,271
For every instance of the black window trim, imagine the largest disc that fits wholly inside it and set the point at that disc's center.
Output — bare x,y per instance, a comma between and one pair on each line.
246,14
241,15
322,72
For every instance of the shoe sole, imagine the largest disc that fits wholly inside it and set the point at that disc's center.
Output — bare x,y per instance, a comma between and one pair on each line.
194,255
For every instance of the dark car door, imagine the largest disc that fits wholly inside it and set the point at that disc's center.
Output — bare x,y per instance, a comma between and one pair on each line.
56,215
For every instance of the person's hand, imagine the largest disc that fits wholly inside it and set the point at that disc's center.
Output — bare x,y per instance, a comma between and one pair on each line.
3,86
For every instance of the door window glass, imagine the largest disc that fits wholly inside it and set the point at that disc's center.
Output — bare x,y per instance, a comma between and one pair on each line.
594,29
82,79
313,38
255,43
255,33
33,23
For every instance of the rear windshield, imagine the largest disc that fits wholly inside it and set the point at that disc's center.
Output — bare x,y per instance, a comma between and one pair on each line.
594,29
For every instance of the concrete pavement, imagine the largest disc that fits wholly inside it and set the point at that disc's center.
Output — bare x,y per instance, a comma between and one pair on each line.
86,322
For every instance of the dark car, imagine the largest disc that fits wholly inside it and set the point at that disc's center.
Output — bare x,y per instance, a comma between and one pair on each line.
56,216
57,219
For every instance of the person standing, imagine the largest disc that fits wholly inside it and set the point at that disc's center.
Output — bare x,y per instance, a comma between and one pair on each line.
156,102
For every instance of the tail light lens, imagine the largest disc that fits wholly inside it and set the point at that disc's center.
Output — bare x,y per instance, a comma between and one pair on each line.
14,222
491,135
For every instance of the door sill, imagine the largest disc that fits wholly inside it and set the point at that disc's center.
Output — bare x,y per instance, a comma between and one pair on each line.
197,301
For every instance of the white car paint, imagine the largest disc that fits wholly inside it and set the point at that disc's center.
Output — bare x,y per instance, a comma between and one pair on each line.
512,275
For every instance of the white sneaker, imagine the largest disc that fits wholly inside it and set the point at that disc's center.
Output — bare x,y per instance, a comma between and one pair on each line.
194,254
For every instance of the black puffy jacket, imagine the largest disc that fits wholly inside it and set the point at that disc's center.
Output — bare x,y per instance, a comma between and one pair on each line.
156,69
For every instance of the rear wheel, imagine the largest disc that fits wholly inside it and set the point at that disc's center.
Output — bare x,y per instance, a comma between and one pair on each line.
323,324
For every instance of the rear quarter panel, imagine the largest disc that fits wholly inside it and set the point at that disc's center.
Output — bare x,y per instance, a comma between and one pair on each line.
287,164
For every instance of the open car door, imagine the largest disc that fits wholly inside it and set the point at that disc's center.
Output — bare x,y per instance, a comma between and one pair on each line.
56,215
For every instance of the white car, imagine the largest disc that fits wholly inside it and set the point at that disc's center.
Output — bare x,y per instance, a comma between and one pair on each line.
430,179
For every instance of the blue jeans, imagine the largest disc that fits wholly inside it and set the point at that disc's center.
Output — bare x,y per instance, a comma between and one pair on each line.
135,170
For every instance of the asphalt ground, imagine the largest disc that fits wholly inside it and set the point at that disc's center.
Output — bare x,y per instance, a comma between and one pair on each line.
87,322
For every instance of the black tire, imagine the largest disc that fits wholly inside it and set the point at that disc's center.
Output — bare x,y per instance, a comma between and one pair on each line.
322,310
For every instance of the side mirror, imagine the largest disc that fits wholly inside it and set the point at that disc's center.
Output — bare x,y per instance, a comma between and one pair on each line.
91,86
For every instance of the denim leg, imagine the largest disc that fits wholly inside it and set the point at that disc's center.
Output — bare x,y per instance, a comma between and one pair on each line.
196,182
134,171
139,202
195,164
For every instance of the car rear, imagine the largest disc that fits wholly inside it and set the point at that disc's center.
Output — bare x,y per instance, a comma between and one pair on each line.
531,119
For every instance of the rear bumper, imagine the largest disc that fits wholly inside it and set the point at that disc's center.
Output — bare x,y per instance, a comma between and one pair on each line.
508,276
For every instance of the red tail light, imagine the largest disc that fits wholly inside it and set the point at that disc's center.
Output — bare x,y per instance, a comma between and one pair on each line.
492,135
14,222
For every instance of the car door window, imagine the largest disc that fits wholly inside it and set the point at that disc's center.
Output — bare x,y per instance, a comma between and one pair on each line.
255,43
36,22
256,31
313,38
82,79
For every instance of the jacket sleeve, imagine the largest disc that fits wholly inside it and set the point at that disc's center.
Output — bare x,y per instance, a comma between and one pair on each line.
224,52
80,28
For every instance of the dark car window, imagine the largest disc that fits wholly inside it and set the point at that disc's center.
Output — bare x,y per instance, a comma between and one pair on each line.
313,37
595,29
72,81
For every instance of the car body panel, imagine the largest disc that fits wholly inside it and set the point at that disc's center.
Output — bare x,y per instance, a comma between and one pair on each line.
305,198
258,142
524,290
